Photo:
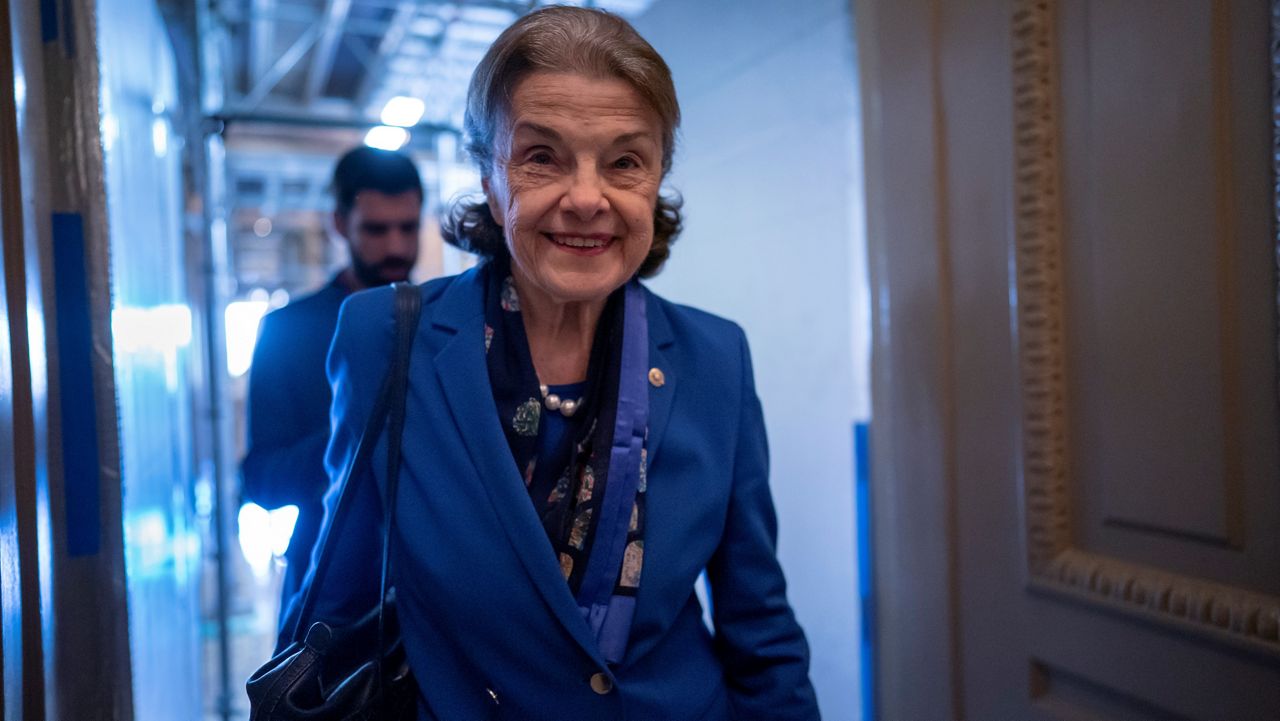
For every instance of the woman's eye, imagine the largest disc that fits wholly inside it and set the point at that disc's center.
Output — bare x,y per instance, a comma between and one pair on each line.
540,158
626,162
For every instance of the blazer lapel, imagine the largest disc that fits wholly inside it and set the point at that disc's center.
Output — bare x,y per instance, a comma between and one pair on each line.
659,547
660,396
462,371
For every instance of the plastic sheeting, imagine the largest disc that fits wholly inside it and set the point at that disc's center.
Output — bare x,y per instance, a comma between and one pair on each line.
152,337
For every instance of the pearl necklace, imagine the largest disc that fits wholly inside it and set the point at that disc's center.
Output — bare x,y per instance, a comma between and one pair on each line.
553,402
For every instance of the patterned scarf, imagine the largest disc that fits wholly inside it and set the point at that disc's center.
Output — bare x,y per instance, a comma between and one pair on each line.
567,485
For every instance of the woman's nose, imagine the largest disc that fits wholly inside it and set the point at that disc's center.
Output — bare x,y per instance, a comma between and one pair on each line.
585,197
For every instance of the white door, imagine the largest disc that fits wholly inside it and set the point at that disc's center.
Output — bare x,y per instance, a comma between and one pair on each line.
1076,446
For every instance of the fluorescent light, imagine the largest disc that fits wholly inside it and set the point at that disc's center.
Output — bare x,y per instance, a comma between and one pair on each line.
149,543
110,130
385,137
283,521
156,329
403,111
264,534
242,318
160,136
254,525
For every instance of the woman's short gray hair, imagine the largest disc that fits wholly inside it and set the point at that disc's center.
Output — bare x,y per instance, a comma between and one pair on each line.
562,39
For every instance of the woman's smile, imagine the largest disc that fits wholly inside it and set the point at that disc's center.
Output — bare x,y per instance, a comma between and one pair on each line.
581,244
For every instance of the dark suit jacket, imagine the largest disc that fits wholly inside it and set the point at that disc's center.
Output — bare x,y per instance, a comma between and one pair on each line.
482,602
288,418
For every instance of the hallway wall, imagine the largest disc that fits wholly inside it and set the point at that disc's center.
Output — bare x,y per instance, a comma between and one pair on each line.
152,355
75,660
769,163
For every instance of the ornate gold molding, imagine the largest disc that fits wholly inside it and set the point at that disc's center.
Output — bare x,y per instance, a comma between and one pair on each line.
1038,229
1055,566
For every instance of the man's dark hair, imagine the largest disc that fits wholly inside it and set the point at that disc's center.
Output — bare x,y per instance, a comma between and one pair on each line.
366,168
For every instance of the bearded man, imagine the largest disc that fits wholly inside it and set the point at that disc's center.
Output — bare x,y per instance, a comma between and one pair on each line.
378,200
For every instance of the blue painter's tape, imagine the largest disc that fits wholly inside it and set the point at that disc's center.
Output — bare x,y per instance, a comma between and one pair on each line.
75,387
866,587
48,20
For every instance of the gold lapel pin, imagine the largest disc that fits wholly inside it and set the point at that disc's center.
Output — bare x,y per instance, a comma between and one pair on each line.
656,379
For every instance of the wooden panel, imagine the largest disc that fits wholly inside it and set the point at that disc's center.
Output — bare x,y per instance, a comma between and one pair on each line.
1124,270
1123,622
1170,324
1146,175
1100,658
1167,221
1060,694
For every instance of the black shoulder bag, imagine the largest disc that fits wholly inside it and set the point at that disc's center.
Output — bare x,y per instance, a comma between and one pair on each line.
357,672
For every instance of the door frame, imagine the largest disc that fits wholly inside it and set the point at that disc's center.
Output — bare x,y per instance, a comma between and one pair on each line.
912,436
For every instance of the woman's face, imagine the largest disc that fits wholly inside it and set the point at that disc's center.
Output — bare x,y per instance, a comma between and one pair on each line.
575,183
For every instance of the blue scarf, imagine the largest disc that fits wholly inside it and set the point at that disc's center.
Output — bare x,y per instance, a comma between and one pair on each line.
588,490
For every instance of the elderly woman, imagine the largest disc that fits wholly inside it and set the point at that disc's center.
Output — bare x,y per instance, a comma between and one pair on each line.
576,450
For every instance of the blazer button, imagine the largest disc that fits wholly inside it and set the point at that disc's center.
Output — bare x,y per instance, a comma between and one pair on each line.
601,683
656,378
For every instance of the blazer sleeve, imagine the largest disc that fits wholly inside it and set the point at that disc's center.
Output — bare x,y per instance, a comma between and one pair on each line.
283,466
357,363
761,647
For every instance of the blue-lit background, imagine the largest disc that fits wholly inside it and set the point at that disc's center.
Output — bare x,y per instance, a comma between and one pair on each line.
769,163
152,337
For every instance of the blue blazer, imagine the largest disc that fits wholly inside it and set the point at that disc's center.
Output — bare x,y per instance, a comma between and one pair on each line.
489,624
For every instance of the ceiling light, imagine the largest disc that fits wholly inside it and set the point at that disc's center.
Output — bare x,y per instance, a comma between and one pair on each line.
385,137
403,111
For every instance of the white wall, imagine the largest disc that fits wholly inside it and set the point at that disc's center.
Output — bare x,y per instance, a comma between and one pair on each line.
769,164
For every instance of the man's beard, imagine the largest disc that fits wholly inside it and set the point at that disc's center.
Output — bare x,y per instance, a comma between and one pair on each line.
388,270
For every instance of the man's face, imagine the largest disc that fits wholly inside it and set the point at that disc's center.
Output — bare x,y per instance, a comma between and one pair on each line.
382,233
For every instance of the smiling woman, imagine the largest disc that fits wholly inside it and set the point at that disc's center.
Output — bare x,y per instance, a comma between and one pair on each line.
577,178
576,450
575,184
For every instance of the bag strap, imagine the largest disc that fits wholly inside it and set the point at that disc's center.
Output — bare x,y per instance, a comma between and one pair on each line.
408,303
408,308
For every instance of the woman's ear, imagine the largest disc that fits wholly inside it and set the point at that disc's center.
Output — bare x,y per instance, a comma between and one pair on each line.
495,208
